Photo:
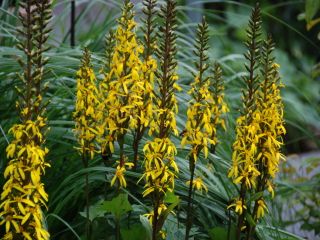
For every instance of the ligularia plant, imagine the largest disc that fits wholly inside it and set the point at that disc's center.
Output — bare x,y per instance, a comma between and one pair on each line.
160,165
203,114
122,88
87,118
23,193
148,69
256,153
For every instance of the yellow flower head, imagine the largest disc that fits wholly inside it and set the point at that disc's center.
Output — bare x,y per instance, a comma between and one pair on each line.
262,207
198,184
239,206
119,175
160,165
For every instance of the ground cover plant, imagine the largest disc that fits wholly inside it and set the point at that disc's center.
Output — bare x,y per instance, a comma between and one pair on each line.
142,132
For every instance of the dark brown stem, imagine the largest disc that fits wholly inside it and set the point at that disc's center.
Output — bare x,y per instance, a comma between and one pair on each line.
72,23
189,200
241,216
121,150
28,71
229,224
136,140
155,220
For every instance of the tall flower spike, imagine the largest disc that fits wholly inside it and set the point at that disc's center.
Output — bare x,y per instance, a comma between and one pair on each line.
109,50
23,192
105,141
86,117
243,168
203,114
160,166
270,112
148,68
122,89
219,107
198,130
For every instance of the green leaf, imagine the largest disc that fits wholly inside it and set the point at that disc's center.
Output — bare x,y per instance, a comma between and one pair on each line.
136,232
255,196
117,206
312,7
146,224
94,212
171,198
250,220
166,213
220,233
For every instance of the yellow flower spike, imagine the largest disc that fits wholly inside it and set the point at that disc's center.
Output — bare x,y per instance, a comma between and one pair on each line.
203,114
124,89
256,154
86,125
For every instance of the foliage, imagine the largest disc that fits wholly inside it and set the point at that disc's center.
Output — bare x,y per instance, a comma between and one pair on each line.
65,181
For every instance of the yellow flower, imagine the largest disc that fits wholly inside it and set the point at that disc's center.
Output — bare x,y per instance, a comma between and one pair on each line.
198,184
238,205
23,175
261,208
119,175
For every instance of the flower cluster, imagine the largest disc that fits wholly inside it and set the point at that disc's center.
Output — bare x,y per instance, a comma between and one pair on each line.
160,166
243,168
256,160
86,116
204,114
245,151
206,105
199,129
23,193
219,106
160,152
125,86
259,131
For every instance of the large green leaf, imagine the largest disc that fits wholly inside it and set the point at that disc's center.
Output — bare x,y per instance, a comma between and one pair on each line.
117,206
312,7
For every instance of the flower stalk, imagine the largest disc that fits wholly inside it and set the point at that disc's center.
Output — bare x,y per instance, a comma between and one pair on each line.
270,109
86,118
23,193
160,165
121,90
256,150
219,107
149,66
203,114
243,170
